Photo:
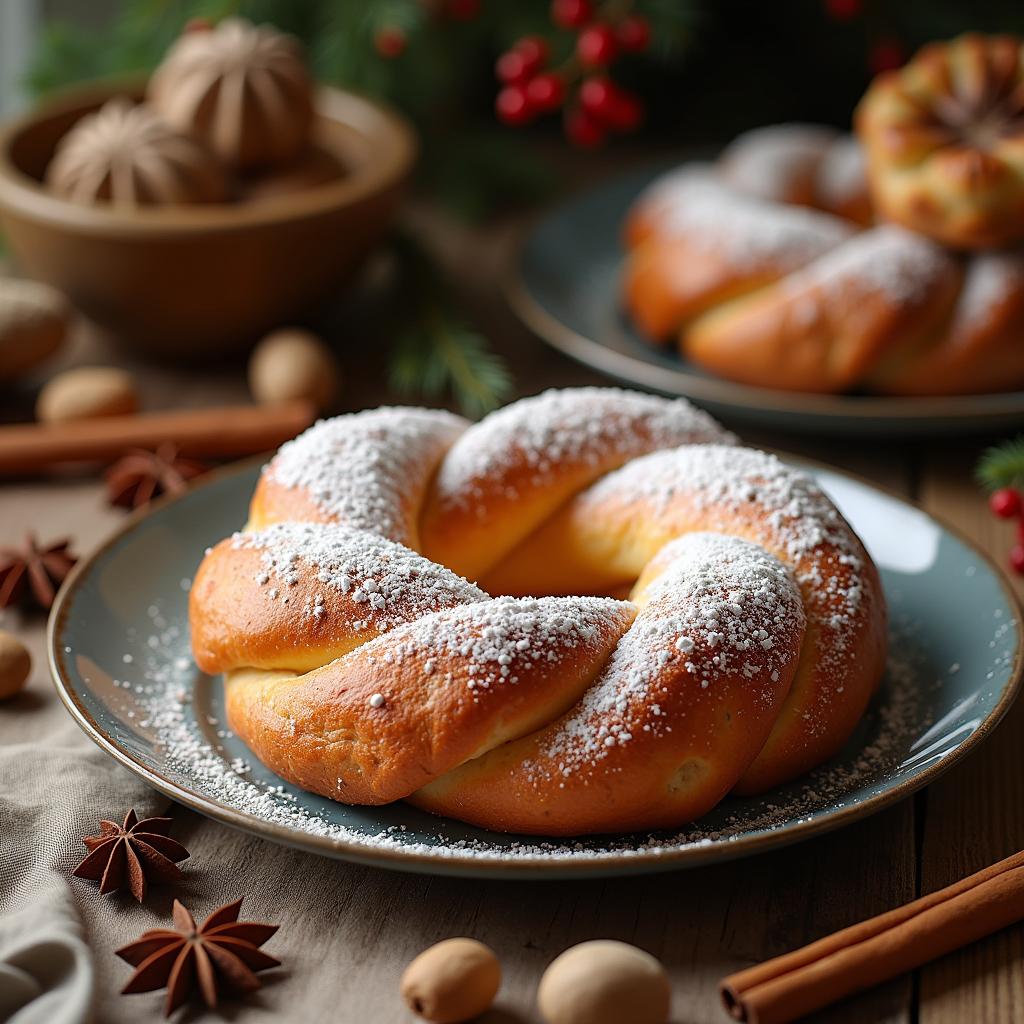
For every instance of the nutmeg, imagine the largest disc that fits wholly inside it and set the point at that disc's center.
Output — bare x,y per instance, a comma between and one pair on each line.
604,982
86,393
452,981
33,324
15,665
291,364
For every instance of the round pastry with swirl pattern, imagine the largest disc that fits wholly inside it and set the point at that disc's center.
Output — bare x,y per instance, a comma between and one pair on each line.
242,89
127,155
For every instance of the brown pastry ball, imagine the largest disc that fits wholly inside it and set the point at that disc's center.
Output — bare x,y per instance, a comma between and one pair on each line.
240,88
126,155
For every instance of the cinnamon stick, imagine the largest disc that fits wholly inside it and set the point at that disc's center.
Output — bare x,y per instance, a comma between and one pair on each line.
223,432
876,950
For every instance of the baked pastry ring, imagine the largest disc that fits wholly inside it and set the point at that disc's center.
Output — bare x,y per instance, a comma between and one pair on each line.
363,670
780,287
944,137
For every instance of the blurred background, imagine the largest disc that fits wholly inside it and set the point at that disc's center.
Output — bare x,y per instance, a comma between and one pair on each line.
709,69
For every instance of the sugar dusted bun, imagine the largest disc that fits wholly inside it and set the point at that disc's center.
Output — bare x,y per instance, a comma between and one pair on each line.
766,269
752,639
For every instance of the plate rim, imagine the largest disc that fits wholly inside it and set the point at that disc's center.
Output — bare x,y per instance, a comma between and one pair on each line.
518,867
837,408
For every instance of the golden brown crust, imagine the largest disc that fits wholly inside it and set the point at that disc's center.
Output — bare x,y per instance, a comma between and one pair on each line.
386,675
945,141
325,731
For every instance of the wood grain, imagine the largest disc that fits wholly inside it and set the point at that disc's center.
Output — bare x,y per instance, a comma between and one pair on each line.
974,815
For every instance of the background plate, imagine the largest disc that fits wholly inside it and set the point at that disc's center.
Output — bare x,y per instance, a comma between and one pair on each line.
565,286
120,657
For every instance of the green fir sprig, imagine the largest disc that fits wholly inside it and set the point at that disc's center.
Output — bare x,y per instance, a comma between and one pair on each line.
435,351
1002,465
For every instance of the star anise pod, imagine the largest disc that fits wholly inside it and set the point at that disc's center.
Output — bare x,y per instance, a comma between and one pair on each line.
223,953
32,573
140,475
137,850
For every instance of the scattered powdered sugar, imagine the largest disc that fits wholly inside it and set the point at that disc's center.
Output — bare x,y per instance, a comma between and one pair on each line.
362,468
585,426
496,640
767,161
990,278
393,583
891,261
173,708
721,605
747,230
841,174
716,476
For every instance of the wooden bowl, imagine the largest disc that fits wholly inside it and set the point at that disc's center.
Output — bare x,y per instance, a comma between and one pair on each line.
203,280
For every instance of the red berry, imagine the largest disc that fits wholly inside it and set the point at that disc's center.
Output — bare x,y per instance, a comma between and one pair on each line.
597,45
462,10
198,25
583,129
545,92
1005,503
598,95
634,32
571,13
1017,558
534,51
390,42
513,105
844,10
886,55
512,68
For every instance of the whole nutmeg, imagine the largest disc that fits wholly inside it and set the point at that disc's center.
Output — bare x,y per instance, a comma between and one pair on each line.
15,665
87,393
453,981
604,982
33,324
293,364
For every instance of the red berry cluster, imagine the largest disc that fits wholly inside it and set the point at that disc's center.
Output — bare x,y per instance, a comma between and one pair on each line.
594,105
1007,504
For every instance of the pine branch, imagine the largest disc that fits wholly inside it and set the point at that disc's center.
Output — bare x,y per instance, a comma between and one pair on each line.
1002,465
436,352
441,354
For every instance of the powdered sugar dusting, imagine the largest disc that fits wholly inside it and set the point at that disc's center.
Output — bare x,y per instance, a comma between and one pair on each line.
722,606
748,231
991,277
207,759
362,468
497,640
589,426
888,260
768,161
841,174
391,583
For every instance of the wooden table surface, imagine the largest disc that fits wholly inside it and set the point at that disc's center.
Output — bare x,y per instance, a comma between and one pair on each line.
704,922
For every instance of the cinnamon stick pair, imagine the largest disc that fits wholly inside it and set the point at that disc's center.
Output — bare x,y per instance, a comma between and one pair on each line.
876,950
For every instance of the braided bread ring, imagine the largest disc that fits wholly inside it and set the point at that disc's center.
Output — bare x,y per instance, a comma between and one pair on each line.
362,670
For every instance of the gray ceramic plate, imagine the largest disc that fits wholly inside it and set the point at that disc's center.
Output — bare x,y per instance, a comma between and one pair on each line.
565,286
120,657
